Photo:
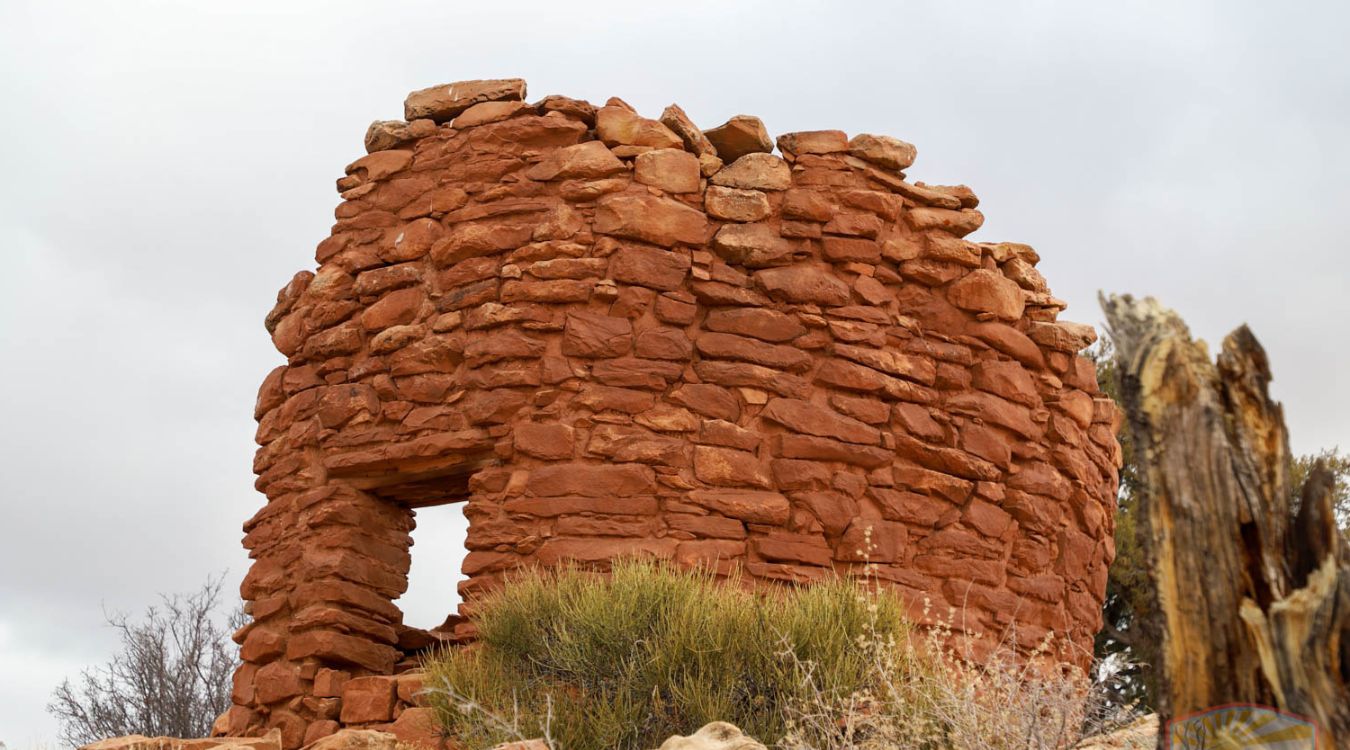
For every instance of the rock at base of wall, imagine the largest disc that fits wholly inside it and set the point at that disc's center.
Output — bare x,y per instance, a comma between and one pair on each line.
1141,734
356,739
269,741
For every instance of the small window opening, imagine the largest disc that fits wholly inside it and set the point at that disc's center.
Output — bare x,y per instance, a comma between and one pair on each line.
437,557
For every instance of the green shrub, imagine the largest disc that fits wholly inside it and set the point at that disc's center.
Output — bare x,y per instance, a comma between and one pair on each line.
626,660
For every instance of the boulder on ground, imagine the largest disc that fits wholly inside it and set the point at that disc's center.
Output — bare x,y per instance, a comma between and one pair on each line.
717,735
1140,734
524,745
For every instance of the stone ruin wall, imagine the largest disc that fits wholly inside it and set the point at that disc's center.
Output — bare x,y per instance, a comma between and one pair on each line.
616,335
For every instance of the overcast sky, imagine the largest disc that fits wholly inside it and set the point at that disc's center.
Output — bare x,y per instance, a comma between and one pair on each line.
171,165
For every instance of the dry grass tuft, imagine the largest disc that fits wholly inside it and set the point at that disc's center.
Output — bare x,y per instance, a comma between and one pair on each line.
626,660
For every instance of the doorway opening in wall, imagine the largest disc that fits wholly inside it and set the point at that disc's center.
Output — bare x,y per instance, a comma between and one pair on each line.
437,554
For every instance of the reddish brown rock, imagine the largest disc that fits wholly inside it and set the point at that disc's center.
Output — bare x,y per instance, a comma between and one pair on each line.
803,284
617,126
591,480
386,134
755,172
585,161
751,506
419,727
739,136
729,467
769,325
814,142
578,109
959,223
752,246
649,267
807,418
488,112
356,739
1007,380
277,681
547,441
883,150
367,700
1063,336
442,103
660,221
694,140
669,169
812,205
589,334
732,204
985,291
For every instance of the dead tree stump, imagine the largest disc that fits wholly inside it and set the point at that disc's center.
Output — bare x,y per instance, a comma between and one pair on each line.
1253,585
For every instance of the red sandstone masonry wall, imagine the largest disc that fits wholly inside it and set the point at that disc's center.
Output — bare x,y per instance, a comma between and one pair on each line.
611,335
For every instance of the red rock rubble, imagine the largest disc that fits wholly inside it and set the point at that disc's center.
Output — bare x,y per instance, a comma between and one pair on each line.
616,335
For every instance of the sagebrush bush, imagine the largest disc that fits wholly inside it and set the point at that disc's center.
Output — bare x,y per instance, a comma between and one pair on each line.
593,662
626,660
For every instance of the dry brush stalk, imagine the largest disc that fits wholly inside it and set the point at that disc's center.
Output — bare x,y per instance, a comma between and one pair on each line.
1254,598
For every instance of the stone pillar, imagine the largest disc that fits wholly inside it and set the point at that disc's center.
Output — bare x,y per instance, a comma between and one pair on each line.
327,564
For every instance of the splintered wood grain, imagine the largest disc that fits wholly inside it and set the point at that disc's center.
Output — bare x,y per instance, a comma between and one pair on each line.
1254,602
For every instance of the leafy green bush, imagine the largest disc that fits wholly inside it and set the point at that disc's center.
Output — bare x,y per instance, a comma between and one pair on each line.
626,660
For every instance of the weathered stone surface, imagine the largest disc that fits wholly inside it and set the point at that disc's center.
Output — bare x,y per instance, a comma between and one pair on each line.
808,418
729,467
357,739
694,140
536,744
769,325
811,205
670,169
590,334
604,354
985,291
732,204
752,245
959,223
739,136
814,142
649,267
660,221
719,735
1063,335
488,112
270,741
728,346
367,700
755,172
803,284
883,150
751,506
579,109
443,103
386,134
617,126
419,727
583,161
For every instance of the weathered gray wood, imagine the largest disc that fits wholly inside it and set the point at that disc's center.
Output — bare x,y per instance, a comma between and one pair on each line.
1254,600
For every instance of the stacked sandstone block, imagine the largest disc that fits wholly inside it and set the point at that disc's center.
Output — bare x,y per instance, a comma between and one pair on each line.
615,335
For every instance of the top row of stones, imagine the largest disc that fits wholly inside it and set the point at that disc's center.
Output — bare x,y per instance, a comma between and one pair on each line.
496,99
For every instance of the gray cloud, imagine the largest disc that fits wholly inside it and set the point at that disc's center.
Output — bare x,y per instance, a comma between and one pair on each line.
170,165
